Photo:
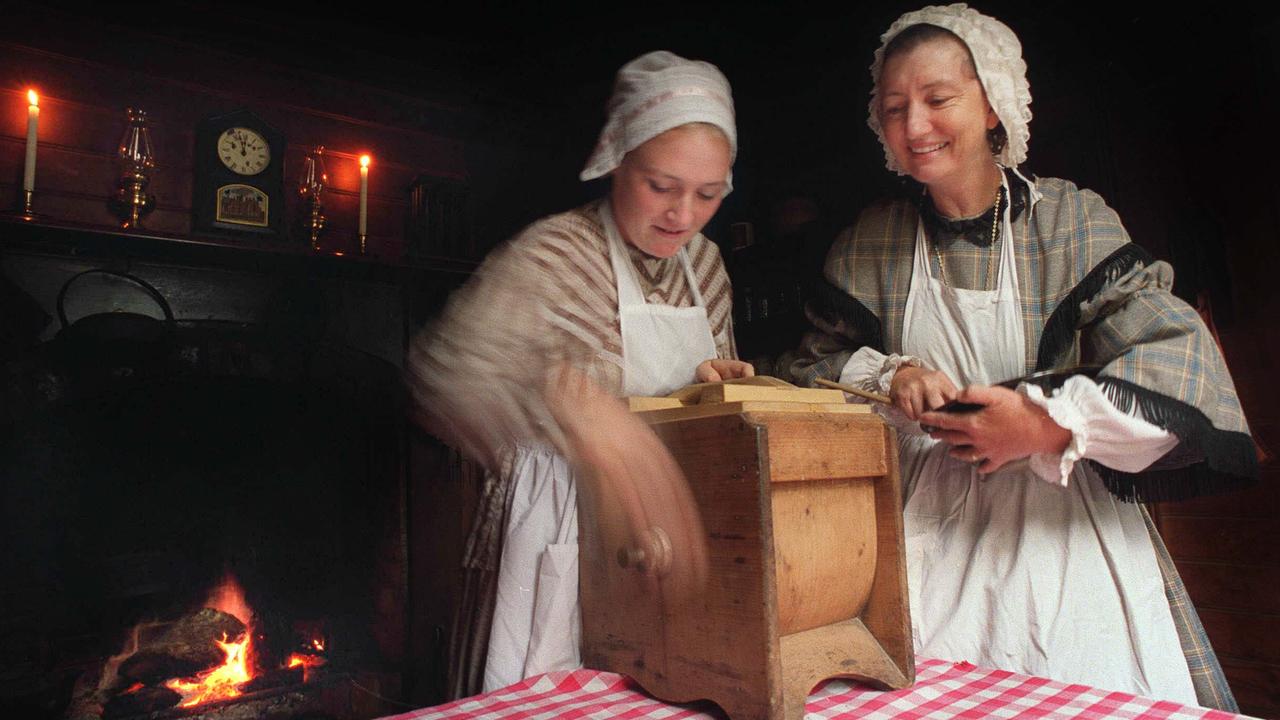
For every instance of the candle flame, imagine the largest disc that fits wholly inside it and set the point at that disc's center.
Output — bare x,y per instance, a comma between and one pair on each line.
33,98
364,161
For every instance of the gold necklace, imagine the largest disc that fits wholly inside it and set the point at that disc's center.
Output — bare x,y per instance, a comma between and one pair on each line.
995,229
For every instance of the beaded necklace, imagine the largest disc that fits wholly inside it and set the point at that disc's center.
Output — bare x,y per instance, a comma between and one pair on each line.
995,233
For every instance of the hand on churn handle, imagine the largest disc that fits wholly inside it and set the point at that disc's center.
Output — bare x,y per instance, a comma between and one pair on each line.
632,474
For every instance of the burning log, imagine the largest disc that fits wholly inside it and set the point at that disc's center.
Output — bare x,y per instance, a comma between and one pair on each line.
140,701
203,659
281,677
185,648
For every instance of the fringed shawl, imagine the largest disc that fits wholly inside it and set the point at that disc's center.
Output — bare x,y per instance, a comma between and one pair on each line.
1089,296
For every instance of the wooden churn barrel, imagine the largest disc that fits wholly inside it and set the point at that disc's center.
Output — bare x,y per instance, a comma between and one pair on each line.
801,505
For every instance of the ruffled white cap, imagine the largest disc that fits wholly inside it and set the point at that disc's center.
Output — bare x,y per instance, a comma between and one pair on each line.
997,55
654,93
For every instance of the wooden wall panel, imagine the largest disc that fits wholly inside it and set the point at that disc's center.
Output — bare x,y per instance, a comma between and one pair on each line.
1238,540
1256,685
82,118
1223,585
1227,547
1243,635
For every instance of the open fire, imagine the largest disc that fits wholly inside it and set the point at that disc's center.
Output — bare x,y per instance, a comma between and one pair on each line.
221,682
206,657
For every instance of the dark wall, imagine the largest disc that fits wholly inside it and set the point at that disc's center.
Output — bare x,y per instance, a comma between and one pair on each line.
1168,114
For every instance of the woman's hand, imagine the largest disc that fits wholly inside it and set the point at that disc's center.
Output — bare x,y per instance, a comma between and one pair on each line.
1008,428
717,370
915,390
630,481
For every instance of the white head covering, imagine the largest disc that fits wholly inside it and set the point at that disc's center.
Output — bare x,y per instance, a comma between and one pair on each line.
997,55
654,93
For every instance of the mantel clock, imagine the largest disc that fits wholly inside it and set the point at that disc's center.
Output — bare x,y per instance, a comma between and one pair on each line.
239,183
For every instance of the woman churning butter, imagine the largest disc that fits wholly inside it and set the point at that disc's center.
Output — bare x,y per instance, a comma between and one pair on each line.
619,297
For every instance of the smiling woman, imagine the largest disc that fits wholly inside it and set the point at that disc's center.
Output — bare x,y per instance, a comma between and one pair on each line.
935,118
623,296
1025,548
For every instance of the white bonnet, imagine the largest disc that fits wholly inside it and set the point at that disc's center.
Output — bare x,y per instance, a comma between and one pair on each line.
654,93
997,56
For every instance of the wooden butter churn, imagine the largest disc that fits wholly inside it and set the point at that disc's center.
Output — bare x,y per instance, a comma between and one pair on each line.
801,503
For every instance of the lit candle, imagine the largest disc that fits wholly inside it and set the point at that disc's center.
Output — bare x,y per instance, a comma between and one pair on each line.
33,120
364,194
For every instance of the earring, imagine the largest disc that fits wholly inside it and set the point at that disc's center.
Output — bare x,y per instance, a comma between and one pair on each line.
997,138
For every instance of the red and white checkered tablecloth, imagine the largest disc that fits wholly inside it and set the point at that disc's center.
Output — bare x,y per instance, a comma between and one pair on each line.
943,689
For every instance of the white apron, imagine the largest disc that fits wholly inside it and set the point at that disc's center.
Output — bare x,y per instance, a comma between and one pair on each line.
536,626
1010,571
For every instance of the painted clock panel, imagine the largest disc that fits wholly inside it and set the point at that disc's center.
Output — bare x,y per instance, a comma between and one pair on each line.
242,205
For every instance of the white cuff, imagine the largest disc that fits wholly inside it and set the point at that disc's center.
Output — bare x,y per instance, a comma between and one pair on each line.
1099,431
1051,467
892,364
873,371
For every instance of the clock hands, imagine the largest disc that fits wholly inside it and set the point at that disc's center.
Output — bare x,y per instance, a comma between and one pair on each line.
253,151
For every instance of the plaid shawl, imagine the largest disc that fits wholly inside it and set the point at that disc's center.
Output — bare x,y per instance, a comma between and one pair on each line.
1089,296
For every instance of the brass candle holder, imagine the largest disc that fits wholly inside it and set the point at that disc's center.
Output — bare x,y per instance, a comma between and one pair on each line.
28,212
310,188
132,201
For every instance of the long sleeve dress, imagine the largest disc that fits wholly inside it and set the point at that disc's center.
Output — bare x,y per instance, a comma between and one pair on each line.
548,297
1045,567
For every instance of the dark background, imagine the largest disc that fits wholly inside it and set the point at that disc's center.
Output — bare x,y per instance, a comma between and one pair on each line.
1170,115
1137,100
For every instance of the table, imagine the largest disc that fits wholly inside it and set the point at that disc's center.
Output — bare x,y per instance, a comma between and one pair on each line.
943,689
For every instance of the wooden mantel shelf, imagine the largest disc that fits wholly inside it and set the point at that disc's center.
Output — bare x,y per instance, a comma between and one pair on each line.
111,244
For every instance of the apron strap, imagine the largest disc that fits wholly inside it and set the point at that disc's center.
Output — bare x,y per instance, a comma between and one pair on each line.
689,278
628,285
1007,267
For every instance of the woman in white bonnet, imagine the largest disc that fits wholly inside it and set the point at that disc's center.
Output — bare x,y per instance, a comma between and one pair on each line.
623,296
1026,547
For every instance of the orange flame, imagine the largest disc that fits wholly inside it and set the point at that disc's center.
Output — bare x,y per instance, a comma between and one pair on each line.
307,661
304,660
33,98
229,598
364,161
221,682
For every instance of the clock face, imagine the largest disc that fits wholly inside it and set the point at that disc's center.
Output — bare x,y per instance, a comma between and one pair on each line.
244,151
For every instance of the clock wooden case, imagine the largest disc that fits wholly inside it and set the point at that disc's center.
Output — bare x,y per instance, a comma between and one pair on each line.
239,183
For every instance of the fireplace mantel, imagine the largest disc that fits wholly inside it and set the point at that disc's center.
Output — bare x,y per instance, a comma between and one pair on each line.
112,245
367,302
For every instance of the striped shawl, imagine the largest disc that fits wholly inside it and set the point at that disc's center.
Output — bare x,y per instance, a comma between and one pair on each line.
546,297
